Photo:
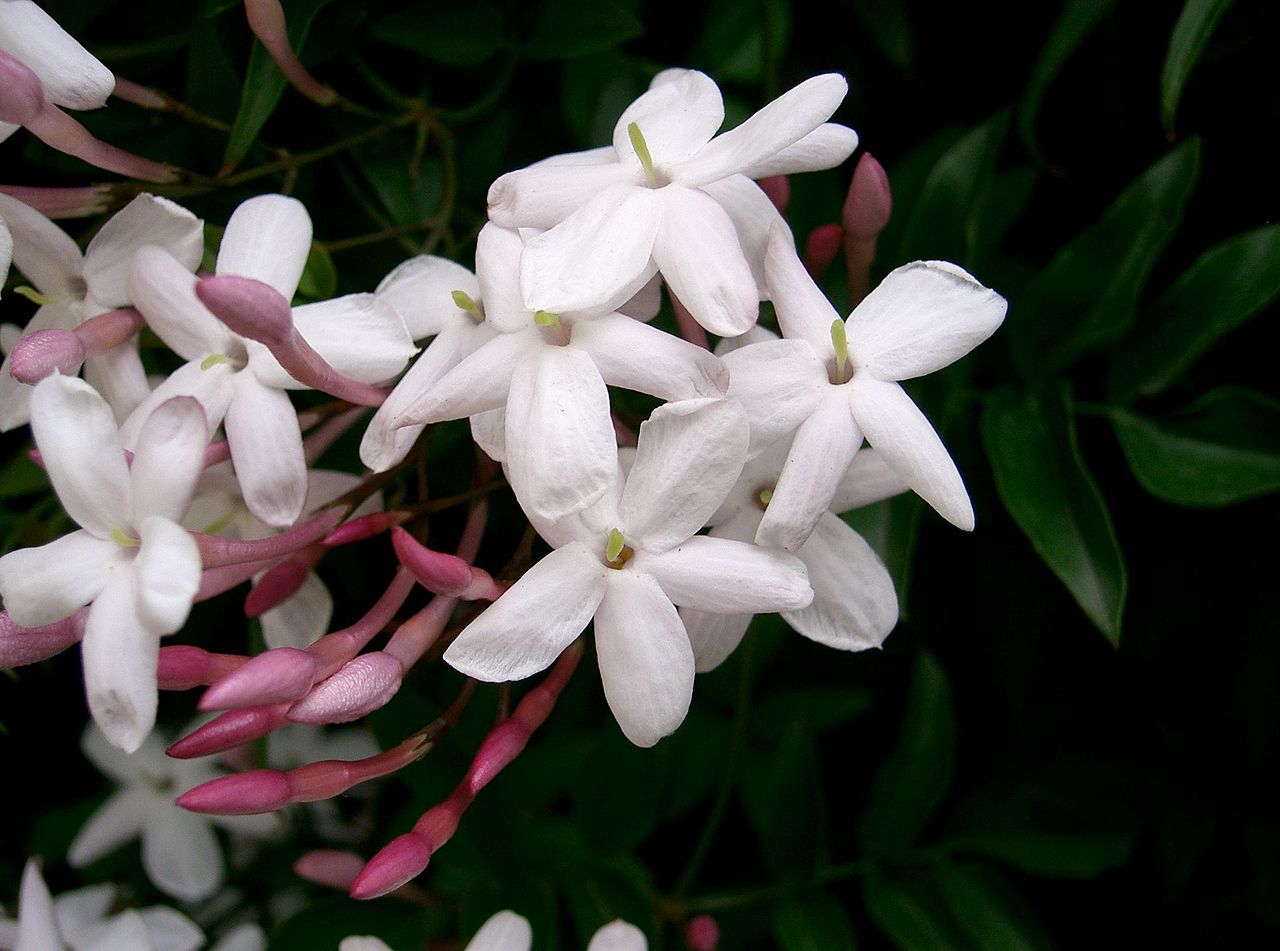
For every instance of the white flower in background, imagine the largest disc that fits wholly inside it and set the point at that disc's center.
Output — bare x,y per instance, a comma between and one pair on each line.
237,381
830,382
6,253
628,561
507,931
669,196
180,853
75,286
79,921
131,560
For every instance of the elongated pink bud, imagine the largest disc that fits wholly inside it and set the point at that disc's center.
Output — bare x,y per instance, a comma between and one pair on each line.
229,730
216,551
43,352
442,573
240,794
29,645
504,743
58,130
821,248
183,666
266,19
366,526
866,212
76,202
333,868
21,92
364,684
256,310
107,331
702,933
400,860
280,675
778,188
277,586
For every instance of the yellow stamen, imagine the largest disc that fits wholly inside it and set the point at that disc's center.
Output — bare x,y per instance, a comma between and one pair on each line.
642,152
544,318
841,344
124,541
33,295
466,302
615,545
765,497
212,360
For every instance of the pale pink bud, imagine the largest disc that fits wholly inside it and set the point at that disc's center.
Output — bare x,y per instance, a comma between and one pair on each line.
280,675
277,586
183,666
442,573
866,213
331,867
266,19
702,933
504,743
107,331
778,188
400,860
43,352
230,729
821,248
29,645
362,685
240,794
76,202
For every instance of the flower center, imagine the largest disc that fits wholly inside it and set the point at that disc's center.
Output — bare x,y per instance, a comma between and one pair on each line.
840,343
616,552
213,359
764,497
653,178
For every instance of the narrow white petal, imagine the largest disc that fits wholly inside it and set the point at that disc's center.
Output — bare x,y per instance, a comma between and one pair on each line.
119,657
421,291
598,257
618,936
804,313
180,854
118,374
689,456
713,636
820,455
498,253
560,441
71,75
117,821
164,291
479,382
894,425
300,620
754,218
646,663
505,931
171,930
854,604
868,480
698,252
168,459
638,357
535,619
76,434
37,927
211,386
147,220
43,252
45,584
266,449
167,575
543,195
677,117
359,335
730,577
15,397
779,384
786,120
825,147
268,238
922,317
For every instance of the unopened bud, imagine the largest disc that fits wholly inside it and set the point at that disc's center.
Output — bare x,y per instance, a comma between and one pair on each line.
21,92
275,676
249,307
43,352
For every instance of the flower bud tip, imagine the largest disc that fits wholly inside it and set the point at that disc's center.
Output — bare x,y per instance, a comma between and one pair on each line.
278,675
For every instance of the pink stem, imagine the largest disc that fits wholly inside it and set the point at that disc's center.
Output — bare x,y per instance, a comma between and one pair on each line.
216,552
57,129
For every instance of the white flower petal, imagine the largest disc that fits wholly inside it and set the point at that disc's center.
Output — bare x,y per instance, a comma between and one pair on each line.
118,374
15,397
117,821
638,357
489,430
268,238
646,663
689,456
713,636
301,619
804,313
147,220
854,604
479,382
113,762
729,577
543,195
245,937
37,927
505,931
212,387
421,292
125,930
181,854
754,218
119,657
560,441
171,930
868,480
164,291
618,936
168,459
42,251
825,147
45,584
359,335
71,75
535,619
76,434
677,117
894,425
498,253
647,301
820,455
83,907
266,449
698,252
167,575
363,943
779,383
922,317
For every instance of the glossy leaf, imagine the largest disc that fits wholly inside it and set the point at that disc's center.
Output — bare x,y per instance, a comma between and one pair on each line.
783,795
20,476
1046,487
1052,854
742,39
1087,295
814,923
910,913
1224,449
456,34
563,29
889,26
319,279
987,909
1190,35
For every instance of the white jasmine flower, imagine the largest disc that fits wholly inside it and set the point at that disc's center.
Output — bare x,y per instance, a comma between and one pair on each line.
507,931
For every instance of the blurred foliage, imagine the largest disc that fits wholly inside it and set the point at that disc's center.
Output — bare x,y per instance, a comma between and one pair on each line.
999,776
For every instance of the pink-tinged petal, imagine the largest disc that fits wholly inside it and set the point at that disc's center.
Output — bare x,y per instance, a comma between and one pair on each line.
754,218
71,75
646,663
598,257
820,455
804,313
147,220
779,384
922,317
894,425
300,620
479,382
560,444
713,636
168,459
677,117
786,120
15,397
689,456
535,620
118,374
698,252
638,357
45,584
421,292
266,449
854,605
42,251
868,480
117,821
505,931
120,658
164,291
268,238
825,147
167,575
618,936
498,253
211,386
76,434
181,854
37,928
543,195
729,577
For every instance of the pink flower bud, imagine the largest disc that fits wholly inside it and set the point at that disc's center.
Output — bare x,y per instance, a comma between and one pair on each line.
250,307
778,188
499,749
240,794
43,352
702,933
403,858
182,666
331,867
436,571
62,202
866,213
107,331
276,587
228,730
821,248
266,19
21,92
283,674
28,645
362,685
366,526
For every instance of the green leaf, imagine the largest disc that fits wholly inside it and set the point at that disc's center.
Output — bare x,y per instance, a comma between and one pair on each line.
1088,294
264,84
595,91
319,279
20,476
906,910
889,26
1074,25
742,39
456,34
818,708
815,923
910,784
1222,450
1190,34
563,29
1080,855
987,909
1227,285
1046,487
783,796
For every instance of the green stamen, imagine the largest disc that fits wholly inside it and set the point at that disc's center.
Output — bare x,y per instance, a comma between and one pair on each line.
613,549
841,343
544,318
765,497
33,295
124,541
464,301
212,360
642,152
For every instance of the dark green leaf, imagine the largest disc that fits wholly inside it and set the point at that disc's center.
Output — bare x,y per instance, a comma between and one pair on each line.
1087,295
1077,21
818,708
596,90
1190,34
20,476
319,279
987,909
887,23
1059,855
907,910
741,39
1046,487
783,795
457,34
563,29
910,784
1227,285
1222,450
814,923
